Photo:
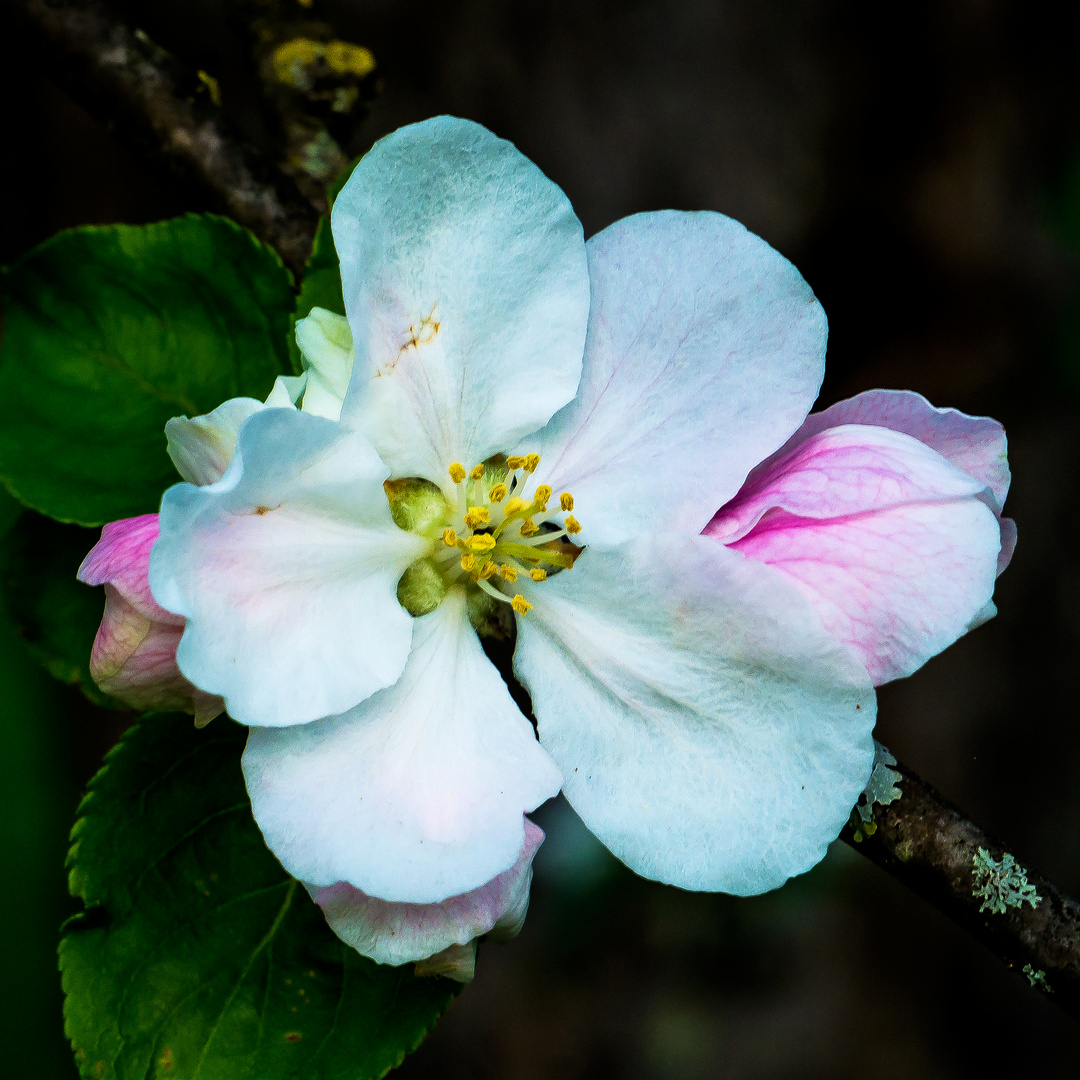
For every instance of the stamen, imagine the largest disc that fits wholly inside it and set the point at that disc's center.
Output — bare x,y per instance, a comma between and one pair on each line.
477,472
531,461
480,542
542,538
521,605
489,569
537,554
497,493
538,574
468,562
477,516
449,537
492,591
572,525
515,504
457,472
566,501
508,572
541,496
515,461
529,527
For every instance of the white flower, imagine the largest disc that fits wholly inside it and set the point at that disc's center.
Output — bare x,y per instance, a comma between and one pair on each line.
700,717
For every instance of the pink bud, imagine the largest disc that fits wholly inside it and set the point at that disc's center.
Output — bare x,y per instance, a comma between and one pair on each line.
134,654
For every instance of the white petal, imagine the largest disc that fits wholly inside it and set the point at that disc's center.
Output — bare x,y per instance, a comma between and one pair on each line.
202,448
325,342
705,351
466,286
399,933
286,391
710,732
415,795
286,571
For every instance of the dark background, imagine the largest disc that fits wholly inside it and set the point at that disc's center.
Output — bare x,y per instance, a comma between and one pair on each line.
919,163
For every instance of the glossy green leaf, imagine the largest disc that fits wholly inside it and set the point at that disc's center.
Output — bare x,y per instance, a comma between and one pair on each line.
56,615
110,331
198,956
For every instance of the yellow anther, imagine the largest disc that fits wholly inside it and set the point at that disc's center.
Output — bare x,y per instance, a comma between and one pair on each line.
477,472
566,501
514,461
515,504
497,493
543,493
572,525
457,472
531,461
449,537
529,527
477,516
468,562
538,574
489,569
508,572
520,604
480,542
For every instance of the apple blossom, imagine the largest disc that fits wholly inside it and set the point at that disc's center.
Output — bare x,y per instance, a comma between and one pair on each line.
514,426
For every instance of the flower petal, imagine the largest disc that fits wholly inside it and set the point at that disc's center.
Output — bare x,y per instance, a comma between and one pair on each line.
467,289
974,444
202,448
415,795
709,731
286,571
325,342
892,544
706,349
400,933
134,652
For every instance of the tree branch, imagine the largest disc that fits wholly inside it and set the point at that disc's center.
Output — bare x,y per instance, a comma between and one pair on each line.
924,841
151,100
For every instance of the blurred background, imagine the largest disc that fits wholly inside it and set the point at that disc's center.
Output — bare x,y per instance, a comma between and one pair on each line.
920,164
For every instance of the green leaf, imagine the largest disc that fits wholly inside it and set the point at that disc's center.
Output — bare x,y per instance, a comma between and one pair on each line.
56,615
321,286
109,332
198,956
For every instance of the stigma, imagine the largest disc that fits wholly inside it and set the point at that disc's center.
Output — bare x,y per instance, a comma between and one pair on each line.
502,529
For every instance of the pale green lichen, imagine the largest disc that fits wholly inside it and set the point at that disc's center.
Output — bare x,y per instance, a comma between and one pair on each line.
1001,885
1037,978
880,791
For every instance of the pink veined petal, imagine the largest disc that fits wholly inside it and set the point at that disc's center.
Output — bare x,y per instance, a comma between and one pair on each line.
894,546
974,444
134,652
396,933
121,558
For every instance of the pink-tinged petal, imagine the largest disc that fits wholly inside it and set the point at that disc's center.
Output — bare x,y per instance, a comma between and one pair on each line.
974,444
121,558
705,351
394,933
286,571
416,794
892,545
134,652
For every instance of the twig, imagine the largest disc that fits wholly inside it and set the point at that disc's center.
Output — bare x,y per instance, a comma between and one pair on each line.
924,841
317,86
150,99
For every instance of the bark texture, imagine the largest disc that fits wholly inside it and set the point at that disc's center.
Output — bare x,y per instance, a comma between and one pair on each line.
924,841
153,101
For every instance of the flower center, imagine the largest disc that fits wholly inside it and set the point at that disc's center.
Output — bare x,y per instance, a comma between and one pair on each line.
506,530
